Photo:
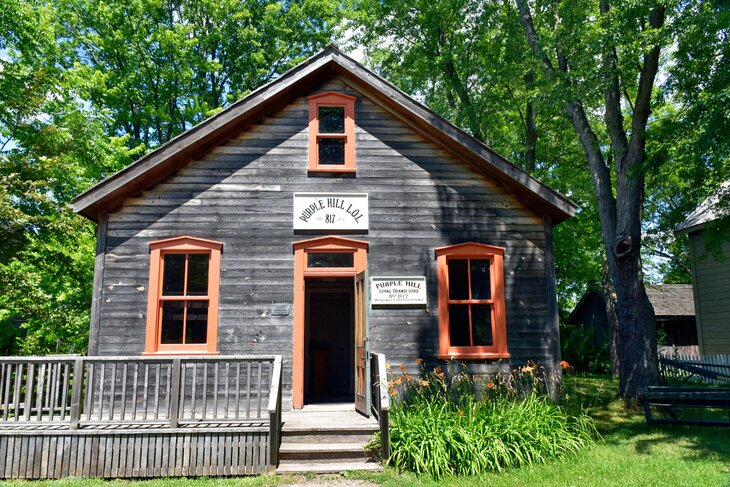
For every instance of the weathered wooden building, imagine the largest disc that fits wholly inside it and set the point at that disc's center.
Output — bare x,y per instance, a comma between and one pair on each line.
710,263
253,233
673,307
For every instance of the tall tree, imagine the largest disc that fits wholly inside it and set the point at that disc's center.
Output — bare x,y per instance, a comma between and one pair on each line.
584,47
161,66
463,59
51,146
691,156
80,81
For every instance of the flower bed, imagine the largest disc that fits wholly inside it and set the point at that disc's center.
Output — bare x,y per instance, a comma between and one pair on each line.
444,423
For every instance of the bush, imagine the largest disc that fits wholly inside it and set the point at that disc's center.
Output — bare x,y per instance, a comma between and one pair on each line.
578,346
439,427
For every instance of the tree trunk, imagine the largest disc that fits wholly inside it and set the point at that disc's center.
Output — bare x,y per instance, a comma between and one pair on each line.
637,331
610,296
530,128
620,214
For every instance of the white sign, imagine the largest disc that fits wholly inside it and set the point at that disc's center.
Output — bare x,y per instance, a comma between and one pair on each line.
331,211
398,290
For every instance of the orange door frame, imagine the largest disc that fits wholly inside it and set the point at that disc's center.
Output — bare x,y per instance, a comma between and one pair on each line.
329,244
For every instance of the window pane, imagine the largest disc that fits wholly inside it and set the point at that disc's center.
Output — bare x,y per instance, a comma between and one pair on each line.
480,279
332,151
172,322
198,274
173,279
458,279
331,120
459,325
481,325
196,330
330,260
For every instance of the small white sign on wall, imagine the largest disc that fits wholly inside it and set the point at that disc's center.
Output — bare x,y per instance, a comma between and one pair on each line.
331,211
398,290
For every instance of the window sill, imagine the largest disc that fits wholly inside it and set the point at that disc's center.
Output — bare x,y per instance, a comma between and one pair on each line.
331,170
473,356
180,353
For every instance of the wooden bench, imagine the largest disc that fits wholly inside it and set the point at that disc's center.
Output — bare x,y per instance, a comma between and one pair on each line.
676,401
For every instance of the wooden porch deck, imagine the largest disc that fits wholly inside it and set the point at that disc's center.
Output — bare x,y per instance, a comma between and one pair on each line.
140,417
117,417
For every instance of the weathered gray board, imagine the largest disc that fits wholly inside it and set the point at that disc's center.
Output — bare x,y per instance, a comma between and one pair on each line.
241,194
52,454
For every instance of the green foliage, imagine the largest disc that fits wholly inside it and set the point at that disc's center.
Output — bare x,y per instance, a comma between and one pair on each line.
52,148
439,427
690,155
495,77
80,83
579,349
160,67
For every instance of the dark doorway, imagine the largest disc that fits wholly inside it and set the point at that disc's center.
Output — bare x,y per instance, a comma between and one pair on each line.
328,352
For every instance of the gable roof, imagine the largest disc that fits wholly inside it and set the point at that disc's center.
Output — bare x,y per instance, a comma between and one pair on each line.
671,299
668,300
178,152
709,210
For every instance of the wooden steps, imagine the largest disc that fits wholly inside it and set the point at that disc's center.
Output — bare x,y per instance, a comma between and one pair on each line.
326,439
328,468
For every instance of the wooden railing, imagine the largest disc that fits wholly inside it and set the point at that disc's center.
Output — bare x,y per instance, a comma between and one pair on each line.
381,399
163,391
274,409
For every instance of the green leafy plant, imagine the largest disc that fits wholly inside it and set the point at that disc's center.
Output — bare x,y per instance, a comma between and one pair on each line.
449,424
579,347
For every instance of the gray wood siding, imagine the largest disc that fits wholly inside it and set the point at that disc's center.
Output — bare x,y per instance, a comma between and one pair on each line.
55,454
712,295
240,193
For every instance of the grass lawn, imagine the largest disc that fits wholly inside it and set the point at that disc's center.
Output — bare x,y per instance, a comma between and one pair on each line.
629,453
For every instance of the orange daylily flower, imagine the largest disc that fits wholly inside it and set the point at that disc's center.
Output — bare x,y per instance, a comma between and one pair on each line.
528,369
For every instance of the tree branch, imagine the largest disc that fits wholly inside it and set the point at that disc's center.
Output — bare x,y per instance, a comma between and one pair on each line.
529,27
597,167
629,175
642,105
613,116
670,257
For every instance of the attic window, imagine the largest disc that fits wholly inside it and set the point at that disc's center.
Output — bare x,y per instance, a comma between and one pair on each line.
332,133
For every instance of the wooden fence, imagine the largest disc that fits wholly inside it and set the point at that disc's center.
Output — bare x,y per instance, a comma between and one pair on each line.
715,363
138,416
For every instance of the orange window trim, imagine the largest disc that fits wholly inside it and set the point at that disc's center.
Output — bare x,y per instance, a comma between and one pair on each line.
473,250
301,271
331,98
182,245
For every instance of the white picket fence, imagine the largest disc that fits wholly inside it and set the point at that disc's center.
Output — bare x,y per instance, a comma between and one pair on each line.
715,363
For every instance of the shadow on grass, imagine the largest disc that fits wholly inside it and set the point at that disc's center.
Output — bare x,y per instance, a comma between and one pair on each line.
618,426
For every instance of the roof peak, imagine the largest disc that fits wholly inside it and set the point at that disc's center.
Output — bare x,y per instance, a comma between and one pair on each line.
330,61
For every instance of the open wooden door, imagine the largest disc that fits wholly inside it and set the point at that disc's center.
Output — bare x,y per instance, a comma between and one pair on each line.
362,360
